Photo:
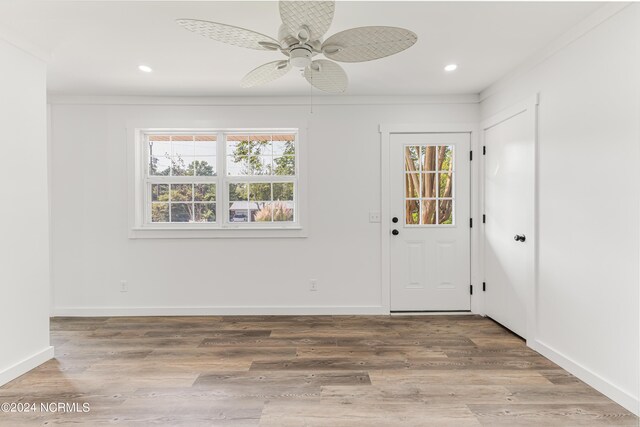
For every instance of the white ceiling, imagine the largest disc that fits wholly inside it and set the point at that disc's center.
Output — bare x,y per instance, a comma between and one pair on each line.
96,46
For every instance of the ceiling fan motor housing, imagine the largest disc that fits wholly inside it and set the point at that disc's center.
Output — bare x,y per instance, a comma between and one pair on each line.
300,56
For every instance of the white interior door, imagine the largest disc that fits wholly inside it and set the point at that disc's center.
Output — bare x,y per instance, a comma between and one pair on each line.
430,206
509,210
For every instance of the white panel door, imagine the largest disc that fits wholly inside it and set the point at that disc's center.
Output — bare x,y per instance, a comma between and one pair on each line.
430,205
509,210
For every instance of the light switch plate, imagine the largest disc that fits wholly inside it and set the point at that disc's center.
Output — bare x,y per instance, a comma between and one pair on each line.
374,216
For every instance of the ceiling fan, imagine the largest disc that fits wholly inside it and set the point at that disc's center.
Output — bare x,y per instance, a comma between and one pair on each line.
300,39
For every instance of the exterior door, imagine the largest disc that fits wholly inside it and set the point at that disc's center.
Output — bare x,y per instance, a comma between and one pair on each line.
430,207
509,210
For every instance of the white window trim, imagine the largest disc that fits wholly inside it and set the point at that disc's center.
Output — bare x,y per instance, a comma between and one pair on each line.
139,227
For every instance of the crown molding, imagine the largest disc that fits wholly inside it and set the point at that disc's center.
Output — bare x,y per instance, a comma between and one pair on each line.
262,101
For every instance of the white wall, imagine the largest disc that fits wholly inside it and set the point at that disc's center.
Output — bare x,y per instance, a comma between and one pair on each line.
92,253
589,188
24,229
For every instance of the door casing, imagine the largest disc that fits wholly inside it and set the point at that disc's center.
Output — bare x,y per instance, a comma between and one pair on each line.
386,130
529,107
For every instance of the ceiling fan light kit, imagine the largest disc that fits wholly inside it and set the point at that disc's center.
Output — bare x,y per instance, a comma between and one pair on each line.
304,23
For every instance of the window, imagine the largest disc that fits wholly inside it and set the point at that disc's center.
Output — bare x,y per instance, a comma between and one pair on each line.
182,178
217,179
429,185
260,178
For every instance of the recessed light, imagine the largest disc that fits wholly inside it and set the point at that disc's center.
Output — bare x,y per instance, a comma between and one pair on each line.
145,68
451,67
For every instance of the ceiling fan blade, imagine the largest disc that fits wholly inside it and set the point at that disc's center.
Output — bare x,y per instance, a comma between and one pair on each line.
316,16
327,76
367,43
229,34
266,73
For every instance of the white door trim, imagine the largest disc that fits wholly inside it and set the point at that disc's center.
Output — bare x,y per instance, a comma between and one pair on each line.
385,215
528,105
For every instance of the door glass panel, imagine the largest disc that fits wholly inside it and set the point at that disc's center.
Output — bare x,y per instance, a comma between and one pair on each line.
428,212
412,209
429,184
412,183
445,184
411,159
428,157
445,211
445,158
428,188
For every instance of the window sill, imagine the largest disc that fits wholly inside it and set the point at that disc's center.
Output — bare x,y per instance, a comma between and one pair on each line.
217,233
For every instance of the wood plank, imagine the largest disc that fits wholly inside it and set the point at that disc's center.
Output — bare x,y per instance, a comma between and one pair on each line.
303,371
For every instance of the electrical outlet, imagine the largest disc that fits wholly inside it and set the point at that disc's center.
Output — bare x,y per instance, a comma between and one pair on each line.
124,286
314,285
374,216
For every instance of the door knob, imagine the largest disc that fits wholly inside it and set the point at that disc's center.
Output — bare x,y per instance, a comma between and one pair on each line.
519,238
395,219
395,232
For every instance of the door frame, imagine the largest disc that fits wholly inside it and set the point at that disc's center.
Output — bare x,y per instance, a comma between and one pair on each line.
528,106
386,130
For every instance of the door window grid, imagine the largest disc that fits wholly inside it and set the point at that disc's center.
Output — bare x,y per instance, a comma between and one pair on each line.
181,177
429,185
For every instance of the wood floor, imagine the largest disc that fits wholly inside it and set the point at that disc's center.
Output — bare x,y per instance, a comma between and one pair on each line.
303,371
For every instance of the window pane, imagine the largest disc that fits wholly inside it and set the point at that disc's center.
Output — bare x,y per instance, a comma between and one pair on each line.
428,189
238,166
282,211
283,191
205,212
179,166
283,147
181,192
428,212
204,192
412,183
412,212
182,148
203,166
205,147
264,214
238,211
160,212
159,166
243,145
284,165
411,159
260,165
260,192
428,157
238,192
159,148
160,193
446,184
257,211
181,212
445,211
259,147
445,158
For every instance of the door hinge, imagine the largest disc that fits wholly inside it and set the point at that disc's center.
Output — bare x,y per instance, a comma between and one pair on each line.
484,150
470,289
471,155
484,286
484,218
470,222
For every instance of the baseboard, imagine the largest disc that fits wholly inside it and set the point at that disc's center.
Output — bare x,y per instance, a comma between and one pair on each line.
215,311
24,366
610,390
